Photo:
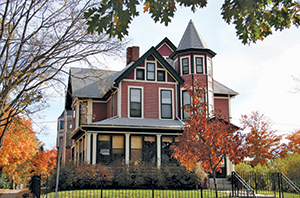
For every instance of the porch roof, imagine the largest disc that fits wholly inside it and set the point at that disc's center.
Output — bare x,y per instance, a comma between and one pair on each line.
148,123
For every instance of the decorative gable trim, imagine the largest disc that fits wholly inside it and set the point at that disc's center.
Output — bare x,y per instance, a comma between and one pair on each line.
154,52
168,42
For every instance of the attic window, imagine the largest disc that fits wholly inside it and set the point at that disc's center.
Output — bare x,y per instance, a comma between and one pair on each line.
140,74
161,76
150,71
199,65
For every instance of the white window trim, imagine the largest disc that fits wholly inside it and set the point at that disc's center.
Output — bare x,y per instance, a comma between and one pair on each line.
142,101
207,66
189,61
204,63
172,95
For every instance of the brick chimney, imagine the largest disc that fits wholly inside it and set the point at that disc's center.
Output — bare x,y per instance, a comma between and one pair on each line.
132,54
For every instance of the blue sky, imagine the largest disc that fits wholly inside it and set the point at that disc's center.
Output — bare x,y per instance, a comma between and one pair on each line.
261,73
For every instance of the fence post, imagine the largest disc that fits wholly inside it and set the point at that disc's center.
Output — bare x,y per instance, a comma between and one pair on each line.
101,180
35,185
279,189
255,183
152,189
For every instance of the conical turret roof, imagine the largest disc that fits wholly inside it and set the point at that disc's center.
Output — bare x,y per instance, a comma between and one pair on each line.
192,40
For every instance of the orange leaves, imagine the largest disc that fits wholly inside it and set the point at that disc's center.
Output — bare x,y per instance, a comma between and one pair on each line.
20,155
293,145
261,142
205,139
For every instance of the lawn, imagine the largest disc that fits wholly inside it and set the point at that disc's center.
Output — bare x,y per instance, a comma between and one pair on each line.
136,193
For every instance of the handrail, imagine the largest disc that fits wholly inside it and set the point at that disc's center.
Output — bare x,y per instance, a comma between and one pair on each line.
290,183
240,179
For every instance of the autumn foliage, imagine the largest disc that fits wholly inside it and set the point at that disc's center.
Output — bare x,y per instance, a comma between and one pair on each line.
293,146
21,155
262,142
207,140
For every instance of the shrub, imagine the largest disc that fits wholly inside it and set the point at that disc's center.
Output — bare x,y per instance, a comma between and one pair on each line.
4,181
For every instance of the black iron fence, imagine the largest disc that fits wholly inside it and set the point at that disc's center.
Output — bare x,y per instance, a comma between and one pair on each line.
271,184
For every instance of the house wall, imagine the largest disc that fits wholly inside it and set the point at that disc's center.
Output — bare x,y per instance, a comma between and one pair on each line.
150,98
99,111
222,104
165,50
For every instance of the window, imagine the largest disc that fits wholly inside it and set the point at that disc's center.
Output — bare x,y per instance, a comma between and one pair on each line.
103,155
166,148
140,74
135,102
61,124
143,148
110,148
185,66
149,149
166,104
117,147
186,100
161,76
70,124
136,148
150,71
199,65
83,112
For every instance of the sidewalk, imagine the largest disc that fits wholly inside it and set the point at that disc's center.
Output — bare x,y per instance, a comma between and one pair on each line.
10,194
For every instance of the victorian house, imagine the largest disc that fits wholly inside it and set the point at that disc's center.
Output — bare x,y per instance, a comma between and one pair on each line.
136,114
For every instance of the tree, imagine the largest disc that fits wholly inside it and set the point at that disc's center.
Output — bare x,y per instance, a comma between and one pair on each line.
19,148
253,19
207,140
22,154
293,146
38,40
262,142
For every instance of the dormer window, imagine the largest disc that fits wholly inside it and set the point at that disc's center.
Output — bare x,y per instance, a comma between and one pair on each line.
150,71
140,74
185,66
199,65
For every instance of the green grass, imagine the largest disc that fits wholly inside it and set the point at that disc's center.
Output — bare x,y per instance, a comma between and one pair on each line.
136,193
287,195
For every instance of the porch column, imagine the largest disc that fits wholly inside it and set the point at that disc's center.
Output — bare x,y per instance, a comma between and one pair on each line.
158,143
94,148
127,147
88,148
229,166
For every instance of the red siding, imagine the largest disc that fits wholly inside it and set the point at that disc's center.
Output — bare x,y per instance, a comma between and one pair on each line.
108,109
116,104
99,111
223,106
159,65
169,78
150,97
164,50
150,58
130,76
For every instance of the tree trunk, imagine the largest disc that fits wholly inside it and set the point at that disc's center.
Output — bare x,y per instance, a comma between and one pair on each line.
215,182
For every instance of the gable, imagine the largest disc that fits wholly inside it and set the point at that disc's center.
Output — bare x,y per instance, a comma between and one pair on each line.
152,52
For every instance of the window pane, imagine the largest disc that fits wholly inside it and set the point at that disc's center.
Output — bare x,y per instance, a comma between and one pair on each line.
150,76
135,109
136,155
150,66
166,111
136,142
161,75
135,95
118,142
140,74
186,98
199,61
167,139
149,149
103,149
166,97
185,66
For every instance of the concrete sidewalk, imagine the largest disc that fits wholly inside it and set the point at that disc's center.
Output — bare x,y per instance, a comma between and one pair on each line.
10,194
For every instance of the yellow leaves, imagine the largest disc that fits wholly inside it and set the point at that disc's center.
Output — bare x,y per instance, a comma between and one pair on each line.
146,7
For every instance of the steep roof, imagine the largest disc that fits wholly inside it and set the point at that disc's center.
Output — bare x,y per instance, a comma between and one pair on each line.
192,41
222,89
91,83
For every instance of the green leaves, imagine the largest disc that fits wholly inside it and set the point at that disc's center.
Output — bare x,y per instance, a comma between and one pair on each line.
114,16
254,19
